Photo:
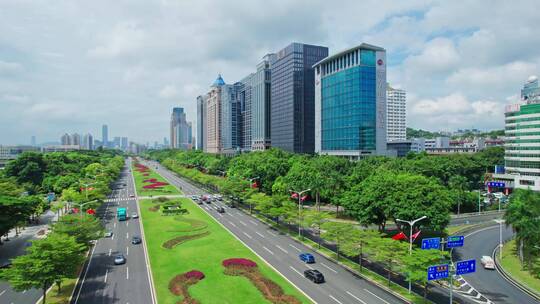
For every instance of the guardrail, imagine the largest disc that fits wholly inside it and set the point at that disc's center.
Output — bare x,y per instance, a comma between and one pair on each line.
473,214
535,295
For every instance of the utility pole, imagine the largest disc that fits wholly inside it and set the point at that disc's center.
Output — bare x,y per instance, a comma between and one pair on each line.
411,224
300,208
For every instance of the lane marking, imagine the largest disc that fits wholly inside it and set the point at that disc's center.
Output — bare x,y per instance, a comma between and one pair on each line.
254,223
282,249
106,273
484,229
114,225
295,248
127,250
1,293
112,237
127,223
127,273
249,236
376,296
332,297
220,214
85,273
110,250
296,271
243,223
268,250
127,235
328,267
259,234
356,297
232,223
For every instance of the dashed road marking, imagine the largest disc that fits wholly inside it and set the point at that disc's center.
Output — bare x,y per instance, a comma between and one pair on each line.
254,223
268,250
127,273
296,270
260,234
295,248
106,273
243,223
356,297
376,296
282,249
332,297
328,267
249,236
233,224
3,291
110,250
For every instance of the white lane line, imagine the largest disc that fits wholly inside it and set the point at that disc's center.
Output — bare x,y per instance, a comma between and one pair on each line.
254,223
295,248
3,291
268,250
106,274
358,299
220,214
249,236
332,297
114,225
127,223
110,250
127,235
376,296
328,267
260,234
230,214
233,224
243,223
272,233
112,237
296,270
24,291
127,250
85,273
127,273
282,249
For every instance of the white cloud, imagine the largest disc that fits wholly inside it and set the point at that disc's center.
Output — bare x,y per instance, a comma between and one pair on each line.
124,38
438,55
493,76
7,67
169,91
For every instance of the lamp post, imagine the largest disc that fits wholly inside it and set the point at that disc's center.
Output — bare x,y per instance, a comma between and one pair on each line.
250,181
300,208
411,224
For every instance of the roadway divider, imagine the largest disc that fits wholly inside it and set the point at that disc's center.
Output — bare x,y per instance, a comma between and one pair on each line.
535,295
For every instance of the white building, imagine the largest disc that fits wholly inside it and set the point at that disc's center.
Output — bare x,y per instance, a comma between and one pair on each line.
396,100
88,142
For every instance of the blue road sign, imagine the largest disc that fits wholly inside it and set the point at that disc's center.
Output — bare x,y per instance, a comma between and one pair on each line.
431,243
467,266
496,184
455,241
437,272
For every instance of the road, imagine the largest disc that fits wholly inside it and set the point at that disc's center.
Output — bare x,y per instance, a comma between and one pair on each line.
281,252
489,282
13,248
103,282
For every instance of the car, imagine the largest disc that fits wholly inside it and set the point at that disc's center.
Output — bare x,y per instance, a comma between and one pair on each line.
307,258
487,262
132,195
134,215
136,240
220,209
314,275
119,259
219,197
5,265
194,197
108,234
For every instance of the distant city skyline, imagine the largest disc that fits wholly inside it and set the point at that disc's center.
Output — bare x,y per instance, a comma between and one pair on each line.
132,65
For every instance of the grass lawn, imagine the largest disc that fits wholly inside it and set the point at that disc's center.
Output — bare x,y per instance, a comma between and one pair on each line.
139,178
510,263
63,298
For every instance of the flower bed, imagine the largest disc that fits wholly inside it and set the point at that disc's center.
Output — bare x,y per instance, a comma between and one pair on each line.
179,285
154,184
247,268
170,244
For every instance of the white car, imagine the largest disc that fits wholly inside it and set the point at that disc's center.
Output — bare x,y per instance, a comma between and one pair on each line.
487,262
108,234
134,215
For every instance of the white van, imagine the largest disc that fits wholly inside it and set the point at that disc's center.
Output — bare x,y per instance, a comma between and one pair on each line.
487,262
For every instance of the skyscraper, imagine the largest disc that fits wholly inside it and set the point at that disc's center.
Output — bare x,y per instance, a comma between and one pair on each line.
124,143
105,136
88,142
65,140
116,142
179,129
244,100
76,139
293,97
201,123
396,128
214,142
350,103
260,105
231,121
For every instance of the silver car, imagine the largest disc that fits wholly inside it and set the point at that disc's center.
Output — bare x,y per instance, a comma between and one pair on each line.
119,259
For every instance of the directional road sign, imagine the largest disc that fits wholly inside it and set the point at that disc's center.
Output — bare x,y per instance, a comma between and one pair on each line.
467,266
496,184
437,272
455,241
431,243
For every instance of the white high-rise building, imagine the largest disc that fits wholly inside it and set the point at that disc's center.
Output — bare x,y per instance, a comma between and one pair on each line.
88,142
396,104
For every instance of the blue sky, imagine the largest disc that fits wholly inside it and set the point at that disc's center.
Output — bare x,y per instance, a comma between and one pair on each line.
70,66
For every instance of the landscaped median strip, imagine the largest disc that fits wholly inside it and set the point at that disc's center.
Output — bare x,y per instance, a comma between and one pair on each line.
206,255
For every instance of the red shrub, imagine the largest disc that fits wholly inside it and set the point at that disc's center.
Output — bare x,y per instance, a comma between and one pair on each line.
194,274
239,262
179,285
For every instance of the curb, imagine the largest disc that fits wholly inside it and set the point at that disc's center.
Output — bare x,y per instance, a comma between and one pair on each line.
510,279
149,267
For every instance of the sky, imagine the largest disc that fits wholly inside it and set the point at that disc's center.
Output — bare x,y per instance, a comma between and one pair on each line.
71,66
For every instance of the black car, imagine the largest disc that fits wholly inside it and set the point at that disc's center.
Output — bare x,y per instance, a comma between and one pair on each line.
5,265
220,209
136,240
314,275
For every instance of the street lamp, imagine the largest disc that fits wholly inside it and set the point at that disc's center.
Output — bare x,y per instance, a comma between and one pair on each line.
300,208
500,222
250,203
86,188
411,224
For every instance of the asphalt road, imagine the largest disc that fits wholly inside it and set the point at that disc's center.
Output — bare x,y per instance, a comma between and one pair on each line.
16,247
103,282
282,252
489,282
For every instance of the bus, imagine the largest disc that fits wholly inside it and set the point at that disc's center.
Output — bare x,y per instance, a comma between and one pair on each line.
121,214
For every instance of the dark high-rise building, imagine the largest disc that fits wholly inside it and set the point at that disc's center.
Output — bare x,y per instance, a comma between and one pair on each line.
33,141
293,97
105,135
201,123
179,129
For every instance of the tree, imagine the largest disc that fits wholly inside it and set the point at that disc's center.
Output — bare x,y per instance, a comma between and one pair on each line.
29,167
83,228
315,219
336,232
416,264
356,242
390,253
48,261
459,184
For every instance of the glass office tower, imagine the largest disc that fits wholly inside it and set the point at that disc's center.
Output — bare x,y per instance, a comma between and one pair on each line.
292,115
350,103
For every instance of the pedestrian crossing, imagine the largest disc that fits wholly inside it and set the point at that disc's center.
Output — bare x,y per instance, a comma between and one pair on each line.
118,199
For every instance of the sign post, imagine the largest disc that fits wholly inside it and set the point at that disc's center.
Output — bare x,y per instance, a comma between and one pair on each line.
431,243
455,241
437,272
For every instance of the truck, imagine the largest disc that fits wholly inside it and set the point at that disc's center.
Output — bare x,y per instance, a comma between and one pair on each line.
121,214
